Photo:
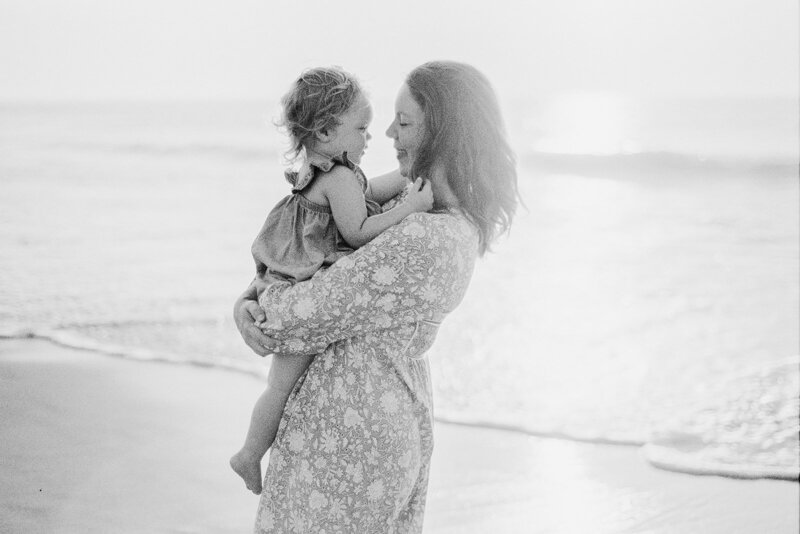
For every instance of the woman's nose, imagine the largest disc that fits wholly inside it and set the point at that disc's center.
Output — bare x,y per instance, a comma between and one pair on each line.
390,130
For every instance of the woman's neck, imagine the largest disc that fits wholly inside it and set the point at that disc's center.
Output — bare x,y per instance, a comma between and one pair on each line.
443,195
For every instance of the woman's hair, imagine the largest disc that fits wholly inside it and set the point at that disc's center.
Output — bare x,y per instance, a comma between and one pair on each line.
314,104
465,136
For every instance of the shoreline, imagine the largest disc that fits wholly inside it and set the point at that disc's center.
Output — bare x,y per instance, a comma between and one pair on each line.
665,458
92,441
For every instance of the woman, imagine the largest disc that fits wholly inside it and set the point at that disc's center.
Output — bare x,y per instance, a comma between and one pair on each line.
354,446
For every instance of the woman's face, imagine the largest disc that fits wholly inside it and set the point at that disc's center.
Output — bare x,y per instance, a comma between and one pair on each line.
407,129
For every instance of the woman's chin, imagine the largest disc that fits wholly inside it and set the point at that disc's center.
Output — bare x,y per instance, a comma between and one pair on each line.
405,168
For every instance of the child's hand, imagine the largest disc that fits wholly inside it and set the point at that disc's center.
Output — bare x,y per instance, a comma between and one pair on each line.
420,196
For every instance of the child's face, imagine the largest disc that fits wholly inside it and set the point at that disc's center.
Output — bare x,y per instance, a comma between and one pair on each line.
352,134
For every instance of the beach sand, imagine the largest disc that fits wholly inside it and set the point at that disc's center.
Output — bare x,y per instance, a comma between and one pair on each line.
93,443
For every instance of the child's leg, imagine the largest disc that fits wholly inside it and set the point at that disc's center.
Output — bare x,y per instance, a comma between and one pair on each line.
267,412
283,374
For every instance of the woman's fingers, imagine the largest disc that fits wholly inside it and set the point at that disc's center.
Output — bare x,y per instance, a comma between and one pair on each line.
257,341
255,311
247,314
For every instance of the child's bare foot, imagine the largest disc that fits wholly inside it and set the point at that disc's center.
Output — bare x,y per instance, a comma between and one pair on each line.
249,468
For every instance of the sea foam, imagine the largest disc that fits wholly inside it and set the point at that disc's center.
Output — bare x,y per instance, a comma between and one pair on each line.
748,428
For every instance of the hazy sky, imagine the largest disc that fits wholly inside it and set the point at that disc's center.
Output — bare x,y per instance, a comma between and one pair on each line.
56,49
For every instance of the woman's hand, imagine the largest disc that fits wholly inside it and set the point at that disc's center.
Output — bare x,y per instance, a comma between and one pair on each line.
246,313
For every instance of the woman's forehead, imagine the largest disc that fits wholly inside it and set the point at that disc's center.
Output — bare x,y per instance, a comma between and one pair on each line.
405,103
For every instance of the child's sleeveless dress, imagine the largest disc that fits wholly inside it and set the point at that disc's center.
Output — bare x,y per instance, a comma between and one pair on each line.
300,237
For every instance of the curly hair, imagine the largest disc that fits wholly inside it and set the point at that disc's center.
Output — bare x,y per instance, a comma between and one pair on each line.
314,104
465,137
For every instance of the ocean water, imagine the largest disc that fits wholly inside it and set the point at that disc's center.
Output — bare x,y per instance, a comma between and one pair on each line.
648,293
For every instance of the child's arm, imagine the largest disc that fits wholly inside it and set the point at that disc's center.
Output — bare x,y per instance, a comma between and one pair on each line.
349,208
385,187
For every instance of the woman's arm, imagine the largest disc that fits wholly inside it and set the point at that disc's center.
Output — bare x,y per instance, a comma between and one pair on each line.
385,187
349,210
416,270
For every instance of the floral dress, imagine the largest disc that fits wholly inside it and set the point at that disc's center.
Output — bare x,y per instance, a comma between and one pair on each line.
353,449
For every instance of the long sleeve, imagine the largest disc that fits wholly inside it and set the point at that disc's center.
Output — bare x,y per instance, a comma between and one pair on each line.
416,270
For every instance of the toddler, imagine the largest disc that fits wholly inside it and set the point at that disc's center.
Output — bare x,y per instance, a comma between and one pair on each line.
332,210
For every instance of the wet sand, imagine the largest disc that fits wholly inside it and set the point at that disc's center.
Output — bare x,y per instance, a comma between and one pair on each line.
92,443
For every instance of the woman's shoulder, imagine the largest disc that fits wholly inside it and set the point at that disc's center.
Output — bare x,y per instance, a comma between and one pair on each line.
446,220
449,229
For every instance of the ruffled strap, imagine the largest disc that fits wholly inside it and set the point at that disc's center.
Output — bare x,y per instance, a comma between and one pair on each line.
313,162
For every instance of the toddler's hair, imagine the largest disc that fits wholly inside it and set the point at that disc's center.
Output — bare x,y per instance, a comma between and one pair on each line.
314,104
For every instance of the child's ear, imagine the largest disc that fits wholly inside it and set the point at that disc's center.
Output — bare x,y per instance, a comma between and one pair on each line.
324,136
